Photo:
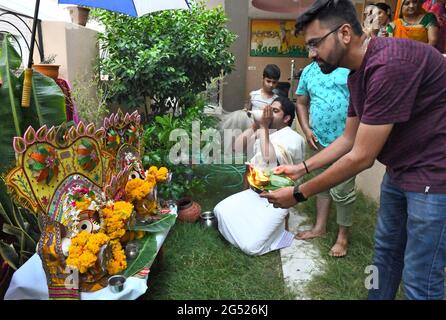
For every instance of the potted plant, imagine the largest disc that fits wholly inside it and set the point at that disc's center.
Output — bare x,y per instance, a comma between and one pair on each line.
79,15
47,67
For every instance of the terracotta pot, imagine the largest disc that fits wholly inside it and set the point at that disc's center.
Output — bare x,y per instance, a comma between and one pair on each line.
188,210
79,15
50,70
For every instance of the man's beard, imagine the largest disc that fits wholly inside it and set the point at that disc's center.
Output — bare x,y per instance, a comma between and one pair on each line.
326,67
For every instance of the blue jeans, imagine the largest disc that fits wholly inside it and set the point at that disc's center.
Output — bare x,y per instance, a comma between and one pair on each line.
410,243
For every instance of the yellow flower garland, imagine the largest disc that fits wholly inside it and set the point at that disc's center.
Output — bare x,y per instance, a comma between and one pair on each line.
159,174
118,263
115,218
84,249
138,189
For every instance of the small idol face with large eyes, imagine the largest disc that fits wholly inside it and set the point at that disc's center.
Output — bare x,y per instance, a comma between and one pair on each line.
89,221
135,174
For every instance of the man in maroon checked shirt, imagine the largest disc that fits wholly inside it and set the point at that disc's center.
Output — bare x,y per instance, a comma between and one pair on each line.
397,114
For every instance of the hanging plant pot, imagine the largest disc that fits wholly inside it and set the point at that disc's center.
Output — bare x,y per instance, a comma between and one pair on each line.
50,70
79,15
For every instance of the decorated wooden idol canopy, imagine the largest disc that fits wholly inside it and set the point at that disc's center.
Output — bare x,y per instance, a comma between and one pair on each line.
92,196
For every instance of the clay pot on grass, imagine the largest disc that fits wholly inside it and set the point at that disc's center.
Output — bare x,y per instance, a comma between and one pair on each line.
188,210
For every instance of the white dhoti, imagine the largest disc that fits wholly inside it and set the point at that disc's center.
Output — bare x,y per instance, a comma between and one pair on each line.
252,224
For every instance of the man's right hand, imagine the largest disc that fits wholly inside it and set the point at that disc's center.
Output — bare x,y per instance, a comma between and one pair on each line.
267,117
311,139
292,171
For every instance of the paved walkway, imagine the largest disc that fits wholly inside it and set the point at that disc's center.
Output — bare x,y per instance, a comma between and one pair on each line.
301,260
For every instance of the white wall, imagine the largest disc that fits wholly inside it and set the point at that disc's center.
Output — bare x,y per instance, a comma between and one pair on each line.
75,46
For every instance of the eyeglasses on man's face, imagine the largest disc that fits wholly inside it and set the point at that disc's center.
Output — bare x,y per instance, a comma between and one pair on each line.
314,43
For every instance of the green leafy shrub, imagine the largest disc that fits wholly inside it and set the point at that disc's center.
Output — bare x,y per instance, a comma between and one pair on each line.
90,96
171,53
158,145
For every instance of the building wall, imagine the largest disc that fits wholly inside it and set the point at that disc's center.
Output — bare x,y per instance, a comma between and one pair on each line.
234,85
255,70
75,46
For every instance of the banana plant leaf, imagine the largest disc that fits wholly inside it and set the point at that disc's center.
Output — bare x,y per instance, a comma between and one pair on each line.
47,103
9,254
11,120
19,234
5,203
163,224
147,253
22,225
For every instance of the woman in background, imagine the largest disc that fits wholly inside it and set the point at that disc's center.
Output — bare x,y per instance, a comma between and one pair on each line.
416,24
386,26
437,8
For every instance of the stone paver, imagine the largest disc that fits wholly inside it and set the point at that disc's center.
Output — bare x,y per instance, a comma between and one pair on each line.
301,260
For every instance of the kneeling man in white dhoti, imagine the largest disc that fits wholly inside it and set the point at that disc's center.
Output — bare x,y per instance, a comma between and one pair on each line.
244,219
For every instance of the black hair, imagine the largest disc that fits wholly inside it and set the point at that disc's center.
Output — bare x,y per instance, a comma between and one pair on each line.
332,12
385,7
271,71
287,108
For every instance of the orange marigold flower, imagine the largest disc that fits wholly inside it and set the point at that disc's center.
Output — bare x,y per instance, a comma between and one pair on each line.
161,175
84,204
137,189
84,249
119,261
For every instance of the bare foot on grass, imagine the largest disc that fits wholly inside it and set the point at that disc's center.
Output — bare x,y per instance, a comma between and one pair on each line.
309,234
339,249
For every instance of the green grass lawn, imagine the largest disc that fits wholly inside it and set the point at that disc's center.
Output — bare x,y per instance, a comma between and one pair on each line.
199,263
343,278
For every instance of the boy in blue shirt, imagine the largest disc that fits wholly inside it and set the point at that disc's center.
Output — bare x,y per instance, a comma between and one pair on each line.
322,105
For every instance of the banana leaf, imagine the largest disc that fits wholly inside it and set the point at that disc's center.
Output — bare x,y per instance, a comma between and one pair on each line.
6,204
30,243
163,224
11,120
147,253
47,103
9,254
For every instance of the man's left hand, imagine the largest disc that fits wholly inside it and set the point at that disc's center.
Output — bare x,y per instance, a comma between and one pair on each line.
281,198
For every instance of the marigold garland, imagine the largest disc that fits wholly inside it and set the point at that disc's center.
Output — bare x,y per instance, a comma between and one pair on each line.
115,218
118,263
138,189
84,249
160,174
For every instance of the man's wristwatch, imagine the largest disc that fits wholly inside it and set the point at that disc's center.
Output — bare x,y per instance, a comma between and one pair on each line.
298,195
